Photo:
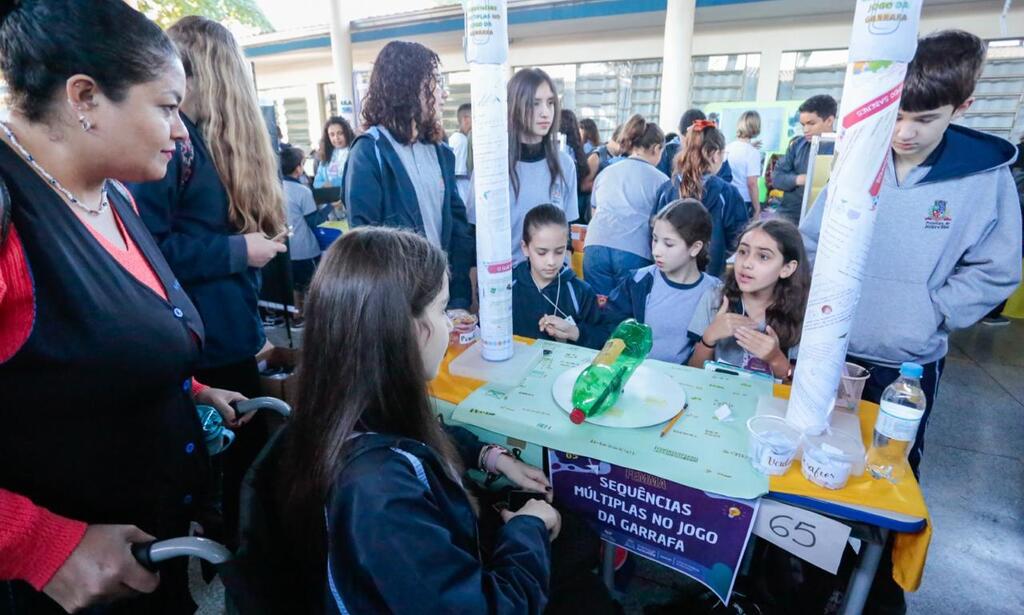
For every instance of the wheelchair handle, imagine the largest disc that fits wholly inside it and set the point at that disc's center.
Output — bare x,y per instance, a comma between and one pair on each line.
262,403
150,554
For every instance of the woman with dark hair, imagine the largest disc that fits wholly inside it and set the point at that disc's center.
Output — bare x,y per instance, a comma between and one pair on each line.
572,146
624,199
333,152
100,444
400,174
372,515
219,217
589,135
538,172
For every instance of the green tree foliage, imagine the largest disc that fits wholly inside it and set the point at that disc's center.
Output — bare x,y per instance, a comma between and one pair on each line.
244,12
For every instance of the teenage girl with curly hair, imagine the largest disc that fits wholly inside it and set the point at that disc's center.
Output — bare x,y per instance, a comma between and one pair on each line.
400,173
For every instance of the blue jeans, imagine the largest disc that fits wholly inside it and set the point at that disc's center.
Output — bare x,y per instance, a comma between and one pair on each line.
604,267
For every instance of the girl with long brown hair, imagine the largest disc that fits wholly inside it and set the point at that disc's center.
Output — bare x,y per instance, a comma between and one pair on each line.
401,148
695,176
589,135
671,295
538,172
332,155
624,197
373,515
572,145
218,216
758,324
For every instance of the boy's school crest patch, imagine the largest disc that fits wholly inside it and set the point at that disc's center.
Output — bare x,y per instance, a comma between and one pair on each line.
938,216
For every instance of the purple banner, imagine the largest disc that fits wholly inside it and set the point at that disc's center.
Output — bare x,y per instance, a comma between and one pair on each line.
699,534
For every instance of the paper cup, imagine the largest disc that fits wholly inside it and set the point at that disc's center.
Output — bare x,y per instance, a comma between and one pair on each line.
851,387
773,444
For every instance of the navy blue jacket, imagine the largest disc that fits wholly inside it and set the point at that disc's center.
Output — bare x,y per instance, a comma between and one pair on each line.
728,217
793,164
574,298
669,152
379,192
629,298
403,538
187,214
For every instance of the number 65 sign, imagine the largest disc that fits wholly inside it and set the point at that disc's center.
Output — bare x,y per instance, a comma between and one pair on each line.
810,536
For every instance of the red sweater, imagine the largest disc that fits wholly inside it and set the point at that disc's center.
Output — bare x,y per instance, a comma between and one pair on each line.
35,543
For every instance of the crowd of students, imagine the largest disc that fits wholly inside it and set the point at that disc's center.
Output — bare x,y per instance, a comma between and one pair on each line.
121,307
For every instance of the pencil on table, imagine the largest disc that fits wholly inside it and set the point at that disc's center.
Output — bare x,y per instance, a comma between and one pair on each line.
672,423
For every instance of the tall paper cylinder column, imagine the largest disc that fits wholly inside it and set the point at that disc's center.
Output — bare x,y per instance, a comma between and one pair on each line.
883,42
486,52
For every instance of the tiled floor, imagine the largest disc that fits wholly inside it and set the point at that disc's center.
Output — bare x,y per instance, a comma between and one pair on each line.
973,481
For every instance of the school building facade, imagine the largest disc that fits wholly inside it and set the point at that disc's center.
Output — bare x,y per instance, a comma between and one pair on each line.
613,58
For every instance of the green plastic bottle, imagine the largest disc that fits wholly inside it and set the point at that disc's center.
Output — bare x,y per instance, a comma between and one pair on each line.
599,386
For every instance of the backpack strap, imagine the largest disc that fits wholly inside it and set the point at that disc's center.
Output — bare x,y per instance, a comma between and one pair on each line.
374,133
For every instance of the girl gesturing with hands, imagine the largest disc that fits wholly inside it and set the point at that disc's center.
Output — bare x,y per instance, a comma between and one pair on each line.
757,326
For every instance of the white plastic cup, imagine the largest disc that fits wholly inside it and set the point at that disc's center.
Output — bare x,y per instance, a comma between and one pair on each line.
773,444
829,459
851,387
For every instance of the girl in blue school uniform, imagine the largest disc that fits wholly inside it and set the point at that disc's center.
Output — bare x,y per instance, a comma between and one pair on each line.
538,172
548,300
696,175
363,504
672,292
399,173
758,324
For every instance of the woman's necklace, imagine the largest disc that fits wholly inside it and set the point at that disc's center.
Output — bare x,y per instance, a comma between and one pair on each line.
71,198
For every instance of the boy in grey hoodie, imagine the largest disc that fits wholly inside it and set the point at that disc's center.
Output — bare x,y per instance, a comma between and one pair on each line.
947,241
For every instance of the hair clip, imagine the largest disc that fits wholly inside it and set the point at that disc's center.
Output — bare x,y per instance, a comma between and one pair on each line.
700,125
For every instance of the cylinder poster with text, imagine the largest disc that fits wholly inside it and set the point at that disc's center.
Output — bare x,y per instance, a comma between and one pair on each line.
486,43
883,42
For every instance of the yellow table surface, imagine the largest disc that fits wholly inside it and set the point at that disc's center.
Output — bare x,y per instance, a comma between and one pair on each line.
910,549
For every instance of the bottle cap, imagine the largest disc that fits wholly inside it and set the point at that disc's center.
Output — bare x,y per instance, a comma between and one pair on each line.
577,416
911,370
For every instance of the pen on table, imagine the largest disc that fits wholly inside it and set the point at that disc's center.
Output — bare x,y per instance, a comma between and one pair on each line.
673,421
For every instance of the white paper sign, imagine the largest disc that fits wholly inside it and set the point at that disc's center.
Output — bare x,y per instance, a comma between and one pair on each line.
879,28
486,31
807,535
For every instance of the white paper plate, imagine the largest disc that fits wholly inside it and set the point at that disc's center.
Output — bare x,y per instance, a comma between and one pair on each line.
650,398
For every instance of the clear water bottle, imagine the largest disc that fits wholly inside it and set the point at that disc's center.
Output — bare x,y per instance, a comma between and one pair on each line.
900,413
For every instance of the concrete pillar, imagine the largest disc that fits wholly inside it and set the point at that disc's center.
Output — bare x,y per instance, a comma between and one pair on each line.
768,73
677,65
341,54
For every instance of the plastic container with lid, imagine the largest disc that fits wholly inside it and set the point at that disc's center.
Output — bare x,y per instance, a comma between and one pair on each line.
830,458
773,444
464,328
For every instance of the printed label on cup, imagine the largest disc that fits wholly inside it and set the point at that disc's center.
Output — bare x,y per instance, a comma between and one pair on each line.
822,470
772,460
